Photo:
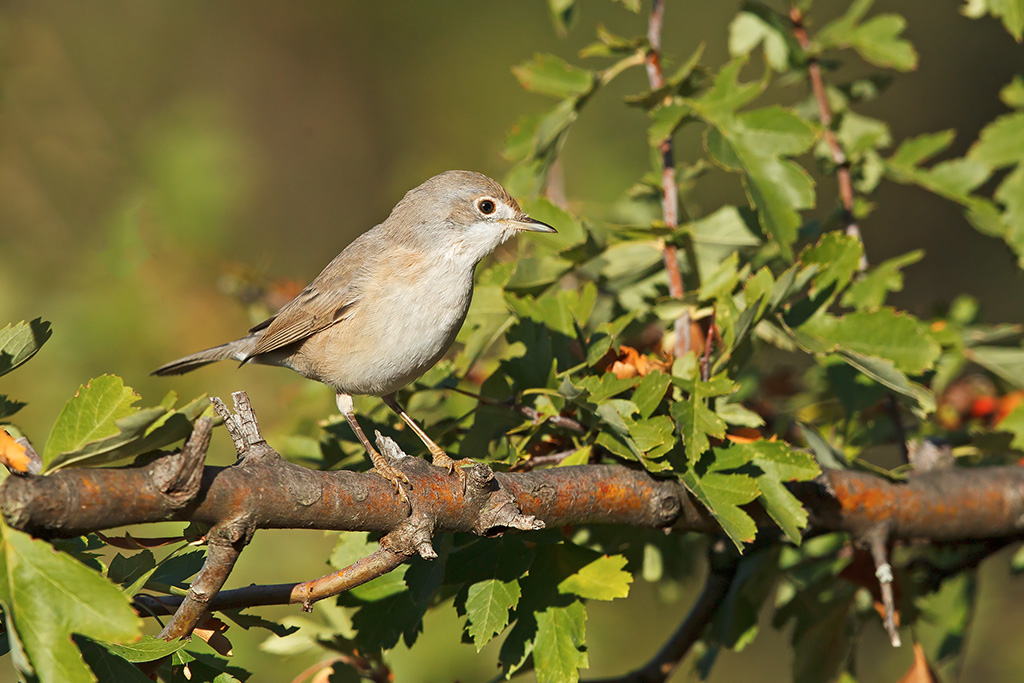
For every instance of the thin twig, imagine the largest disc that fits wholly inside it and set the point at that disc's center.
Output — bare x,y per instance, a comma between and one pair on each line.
723,561
378,563
877,540
528,411
839,157
669,188
541,460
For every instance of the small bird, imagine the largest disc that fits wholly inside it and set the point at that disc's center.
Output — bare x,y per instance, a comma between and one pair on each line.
389,306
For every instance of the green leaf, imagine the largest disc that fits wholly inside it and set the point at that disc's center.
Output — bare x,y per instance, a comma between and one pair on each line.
21,341
563,15
719,235
757,25
551,75
650,392
558,650
487,608
838,256
722,495
877,40
91,415
603,579
1000,143
107,666
695,420
1010,12
885,333
47,595
870,291
100,425
887,374
148,649
1005,361
779,462
1013,94
756,143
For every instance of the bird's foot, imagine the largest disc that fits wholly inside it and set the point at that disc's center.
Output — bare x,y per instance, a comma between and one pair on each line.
442,459
392,474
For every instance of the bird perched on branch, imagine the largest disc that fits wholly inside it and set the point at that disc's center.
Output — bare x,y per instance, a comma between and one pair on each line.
389,306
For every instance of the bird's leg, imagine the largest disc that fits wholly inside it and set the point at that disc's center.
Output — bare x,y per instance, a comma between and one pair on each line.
380,464
440,458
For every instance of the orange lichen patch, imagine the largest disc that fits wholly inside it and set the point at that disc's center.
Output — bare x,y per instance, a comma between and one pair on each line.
13,454
872,502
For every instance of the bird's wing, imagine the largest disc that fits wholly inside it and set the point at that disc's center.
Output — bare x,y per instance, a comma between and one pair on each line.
324,302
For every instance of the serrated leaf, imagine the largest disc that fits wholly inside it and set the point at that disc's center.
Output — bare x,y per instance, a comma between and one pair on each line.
916,150
650,392
48,595
100,425
551,75
603,579
558,650
695,420
885,333
722,495
91,415
487,608
756,143
21,341
877,40
837,256
1000,143
870,291
779,462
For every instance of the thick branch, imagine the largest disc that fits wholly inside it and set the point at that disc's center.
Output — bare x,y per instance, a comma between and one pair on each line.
946,504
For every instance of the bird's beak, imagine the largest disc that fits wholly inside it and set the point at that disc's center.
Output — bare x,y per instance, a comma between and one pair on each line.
524,223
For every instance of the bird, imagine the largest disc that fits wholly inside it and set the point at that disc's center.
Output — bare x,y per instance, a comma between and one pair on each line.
389,306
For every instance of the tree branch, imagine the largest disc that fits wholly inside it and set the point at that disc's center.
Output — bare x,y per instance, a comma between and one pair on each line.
263,491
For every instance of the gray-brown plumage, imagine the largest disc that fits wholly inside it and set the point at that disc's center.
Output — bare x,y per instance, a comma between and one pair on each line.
389,306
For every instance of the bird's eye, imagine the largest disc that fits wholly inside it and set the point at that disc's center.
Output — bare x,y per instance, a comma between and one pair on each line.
486,206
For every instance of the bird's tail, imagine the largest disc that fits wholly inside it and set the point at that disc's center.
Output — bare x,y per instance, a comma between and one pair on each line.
235,350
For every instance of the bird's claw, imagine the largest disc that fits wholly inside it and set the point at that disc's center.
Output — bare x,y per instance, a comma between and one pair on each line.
443,460
395,476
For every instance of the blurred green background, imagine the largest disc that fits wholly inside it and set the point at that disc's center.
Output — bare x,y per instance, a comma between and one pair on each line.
155,154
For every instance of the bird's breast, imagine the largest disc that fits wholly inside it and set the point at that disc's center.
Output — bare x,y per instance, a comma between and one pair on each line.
404,321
